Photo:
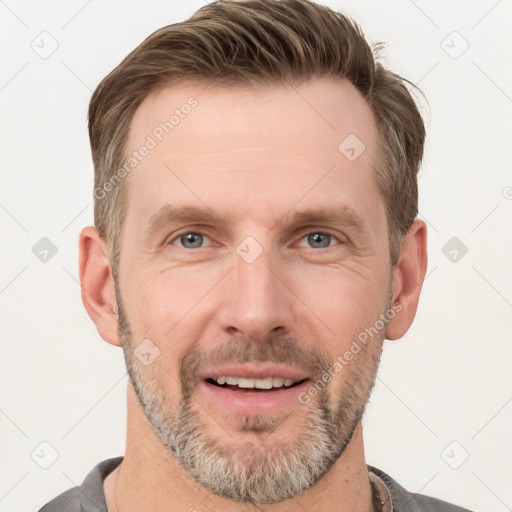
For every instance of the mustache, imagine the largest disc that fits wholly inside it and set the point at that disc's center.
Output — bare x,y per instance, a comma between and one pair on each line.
272,349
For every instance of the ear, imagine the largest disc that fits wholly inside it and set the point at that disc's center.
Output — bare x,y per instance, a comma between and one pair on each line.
408,279
98,291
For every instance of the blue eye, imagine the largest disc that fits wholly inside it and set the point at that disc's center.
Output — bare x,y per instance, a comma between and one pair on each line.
319,240
190,240
194,240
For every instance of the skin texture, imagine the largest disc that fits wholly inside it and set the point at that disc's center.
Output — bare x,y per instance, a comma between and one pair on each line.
252,157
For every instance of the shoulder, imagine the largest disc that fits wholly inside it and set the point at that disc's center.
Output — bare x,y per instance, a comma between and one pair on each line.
405,501
89,495
429,504
68,501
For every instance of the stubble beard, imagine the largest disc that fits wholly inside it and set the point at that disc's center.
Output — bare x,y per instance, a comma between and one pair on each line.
260,472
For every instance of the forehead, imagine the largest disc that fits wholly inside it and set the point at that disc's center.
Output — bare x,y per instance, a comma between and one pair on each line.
325,110
257,149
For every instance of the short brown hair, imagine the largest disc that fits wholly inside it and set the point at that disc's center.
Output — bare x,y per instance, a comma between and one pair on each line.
259,42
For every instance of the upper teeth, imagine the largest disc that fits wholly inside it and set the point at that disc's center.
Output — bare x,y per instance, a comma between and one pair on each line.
267,383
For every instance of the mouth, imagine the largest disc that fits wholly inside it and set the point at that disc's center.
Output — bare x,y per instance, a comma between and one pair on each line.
246,390
248,385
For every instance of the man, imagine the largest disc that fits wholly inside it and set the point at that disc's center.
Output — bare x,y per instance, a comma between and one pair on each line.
255,242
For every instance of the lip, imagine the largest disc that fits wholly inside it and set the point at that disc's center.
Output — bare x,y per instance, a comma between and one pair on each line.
253,372
251,402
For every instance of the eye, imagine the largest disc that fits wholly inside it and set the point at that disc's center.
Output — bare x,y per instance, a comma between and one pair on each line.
190,240
319,240
195,240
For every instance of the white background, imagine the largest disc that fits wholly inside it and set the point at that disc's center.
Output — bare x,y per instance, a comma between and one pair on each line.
448,379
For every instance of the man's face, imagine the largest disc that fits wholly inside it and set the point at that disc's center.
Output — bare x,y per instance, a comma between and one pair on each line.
287,265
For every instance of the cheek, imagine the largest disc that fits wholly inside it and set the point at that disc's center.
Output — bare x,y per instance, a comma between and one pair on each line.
158,300
164,307
342,303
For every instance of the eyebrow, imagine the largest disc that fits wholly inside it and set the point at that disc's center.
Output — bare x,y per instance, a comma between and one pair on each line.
171,214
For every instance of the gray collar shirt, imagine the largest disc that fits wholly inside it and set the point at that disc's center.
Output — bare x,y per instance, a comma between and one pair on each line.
89,497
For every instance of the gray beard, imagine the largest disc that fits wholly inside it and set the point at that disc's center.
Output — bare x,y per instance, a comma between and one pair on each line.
256,473
250,473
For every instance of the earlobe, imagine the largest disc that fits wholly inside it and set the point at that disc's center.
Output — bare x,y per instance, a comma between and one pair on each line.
98,291
408,279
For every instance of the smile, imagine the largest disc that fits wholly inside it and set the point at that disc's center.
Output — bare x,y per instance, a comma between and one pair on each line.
249,389
266,383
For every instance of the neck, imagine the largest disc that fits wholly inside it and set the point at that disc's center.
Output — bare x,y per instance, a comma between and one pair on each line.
148,466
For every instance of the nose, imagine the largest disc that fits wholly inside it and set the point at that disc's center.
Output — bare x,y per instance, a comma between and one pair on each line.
255,299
